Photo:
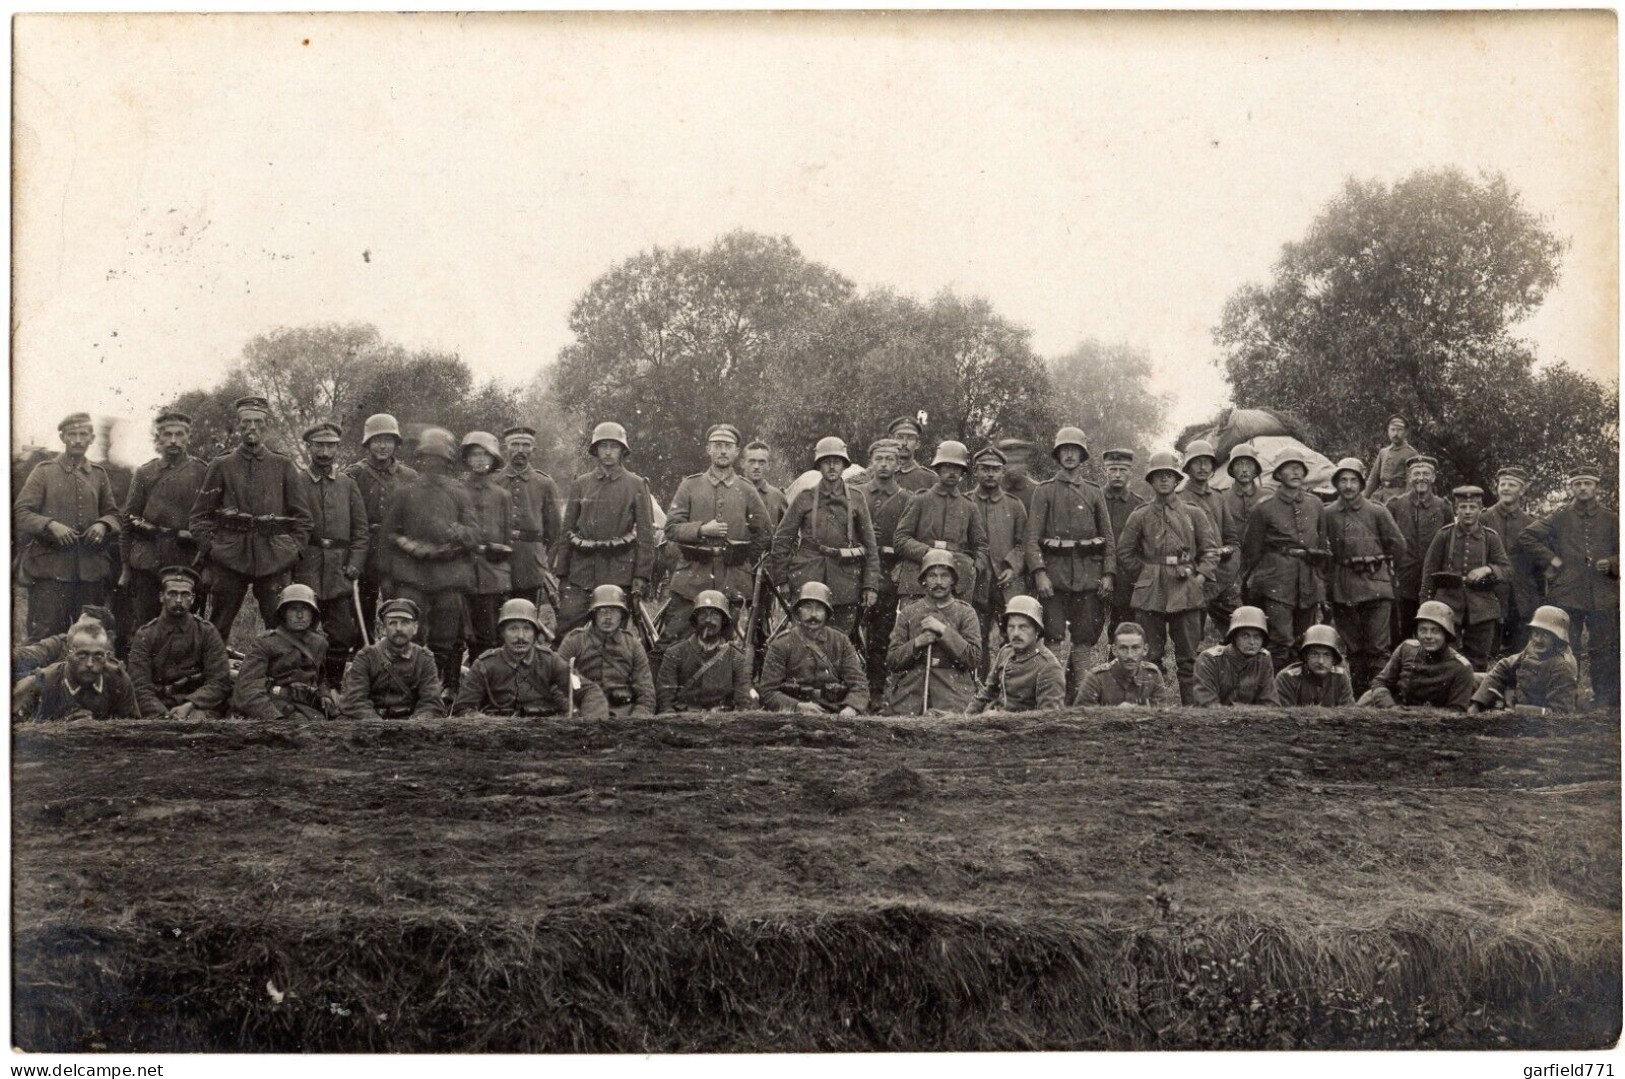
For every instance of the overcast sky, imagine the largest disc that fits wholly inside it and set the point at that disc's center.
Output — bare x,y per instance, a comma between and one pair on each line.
184,182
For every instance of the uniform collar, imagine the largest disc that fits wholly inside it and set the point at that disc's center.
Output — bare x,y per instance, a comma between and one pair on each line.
912,465
73,687
1118,496
391,654
1288,495
1583,511
1200,490
319,477
832,490
81,467
252,455
1348,505
522,661
1075,477
720,481
1420,500
1248,488
981,493
163,462
388,467
942,492
606,476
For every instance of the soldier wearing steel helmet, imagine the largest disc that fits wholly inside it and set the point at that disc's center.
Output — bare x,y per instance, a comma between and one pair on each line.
1463,564
1003,570
1221,593
1025,675
1128,680
394,677
336,552
941,518
1425,671
1365,543
379,475
534,517
282,672
153,534
1579,546
609,654
811,667
608,529
828,537
936,645
911,475
1283,553
493,529
526,678
721,529
1318,678
1245,491
178,663
1238,671
1541,678
707,671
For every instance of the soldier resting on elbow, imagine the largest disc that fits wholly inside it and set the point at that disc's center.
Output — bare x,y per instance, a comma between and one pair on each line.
1542,678
1128,680
88,683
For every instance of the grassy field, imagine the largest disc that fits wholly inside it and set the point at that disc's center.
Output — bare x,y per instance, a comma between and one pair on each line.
1251,878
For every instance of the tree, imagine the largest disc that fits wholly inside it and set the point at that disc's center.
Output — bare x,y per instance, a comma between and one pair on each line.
1403,299
1105,389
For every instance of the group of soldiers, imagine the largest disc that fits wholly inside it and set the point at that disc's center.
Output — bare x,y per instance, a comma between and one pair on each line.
458,584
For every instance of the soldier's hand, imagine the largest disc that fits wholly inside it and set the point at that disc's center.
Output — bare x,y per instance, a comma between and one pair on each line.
849,711
183,534
351,573
1104,586
183,710
714,529
79,713
1478,574
1042,585
1556,562
96,532
932,624
870,597
61,534
1006,575
809,708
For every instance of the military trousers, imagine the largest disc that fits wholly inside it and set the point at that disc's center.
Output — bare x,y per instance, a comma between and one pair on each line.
1366,631
53,605
228,589
483,611
440,628
1404,624
1477,642
1286,624
1601,640
1185,627
878,623
343,636
1080,616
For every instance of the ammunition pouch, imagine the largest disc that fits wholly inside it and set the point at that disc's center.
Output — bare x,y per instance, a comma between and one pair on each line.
186,683
1095,546
396,711
1484,584
237,521
494,552
823,692
736,553
841,554
301,693
619,543
328,544
888,558
1366,564
534,711
1447,579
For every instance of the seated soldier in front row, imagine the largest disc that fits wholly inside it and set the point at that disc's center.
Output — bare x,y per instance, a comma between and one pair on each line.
1542,678
706,671
178,662
88,683
1425,671
936,637
609,654
1319,677
1239,671
1128,679
1025,675
523,678
281,675
394,677
29,661
810,667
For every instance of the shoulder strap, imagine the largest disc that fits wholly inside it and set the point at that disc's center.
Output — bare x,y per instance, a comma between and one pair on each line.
704,668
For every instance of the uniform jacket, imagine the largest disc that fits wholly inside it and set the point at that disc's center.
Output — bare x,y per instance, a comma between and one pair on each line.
262,483
1022,681
1004,519
111,697
944,520
1294,685
819,658
1509,525
1419,522
279,658
1021,488
918,478
885,510
35,655
1064,510
1239,504
821,520
77,496
605,506
1456,550
1157,539
1521,679
1278,523
1388,470
185,650
1114,683
954,659
1361,529
1225,676
433,509
538,684
617,664
339,536
693,679
1580,538
161,495
493,523
380,684
378,486
773,498
1120,504
729,567
1412,678
1225,526
534,517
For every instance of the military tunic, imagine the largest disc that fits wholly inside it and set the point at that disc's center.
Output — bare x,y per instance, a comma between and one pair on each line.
772,498
538,684
493,523
942,520
915,477
382,685
1239,503
885,510
534,516
827,535
1120,504
1295,686
1456,550
818,665
1280,523
63,579
110,697
954,658
338,537
1227,570
34,655
1022,682
1521,680
1419,520
726,565
695,679
608,530
176,660
1069,515
1158,539
1225,676
1520,596
1004,519
281,675
1112,684
1583,537
1414,678
1386,480
617,664
378,485
156,511
263,484
1355,532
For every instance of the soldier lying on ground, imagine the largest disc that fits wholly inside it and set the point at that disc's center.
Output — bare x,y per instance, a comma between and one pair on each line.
1425,670
178,662
281,675
1319,677
394,677
707,670
1543,677
523,678
1239,671
88,683
1025,675
37,655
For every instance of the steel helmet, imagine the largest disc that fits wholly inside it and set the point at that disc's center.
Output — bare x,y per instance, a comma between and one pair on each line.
381,423
951,453
299,593
519,610
937,557
830,447
1069,436
816,592
609,595
1162,462
1247,618
1027,607
712,600
486,441
609,432
1440,615
1323,636
1553,620
1243,451
437,442
1199,448
1349,464
1288,456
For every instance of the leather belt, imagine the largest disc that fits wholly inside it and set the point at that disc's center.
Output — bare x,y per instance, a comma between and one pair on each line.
328,544
1072,544
527,535
842,554
737,553
617,544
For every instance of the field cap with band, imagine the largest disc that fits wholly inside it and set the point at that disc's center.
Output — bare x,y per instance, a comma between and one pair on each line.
1467,493
1421,460
1586,474
902,423
398,606
523,430
989,453
252,408
1399,420
883,444
723,432
1519,474
326,431
75,419
169,416
1118,456
179,573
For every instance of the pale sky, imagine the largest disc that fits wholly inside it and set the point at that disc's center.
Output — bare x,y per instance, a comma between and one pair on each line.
184,182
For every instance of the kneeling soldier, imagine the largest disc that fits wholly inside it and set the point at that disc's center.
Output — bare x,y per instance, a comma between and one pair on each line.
936,645
811,667
1128,679
89,683
178,662
1026,675
523,678
1425,671
609,654
1238,671
1319,676
281,675
1542,678
394,677
706,671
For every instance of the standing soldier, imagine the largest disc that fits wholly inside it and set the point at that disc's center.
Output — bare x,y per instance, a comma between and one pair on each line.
1244,468
610,655
1120,502
810,665
827,537
936,645
429,531
609,535
251,520
1282,553
493,528
1365,544
1004,519
757,454
707,671
1391,471
1072,553
720,526
911,475
1420,514
1464,563
154,531
534,514
281,675
1169,549
1520,596
1221,595
941,519
178,662
67,511
1579,544
394,677
337,551
886,501
379,475
1018,479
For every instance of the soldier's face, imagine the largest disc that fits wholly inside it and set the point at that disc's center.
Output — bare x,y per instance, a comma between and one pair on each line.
831,468
1117,475
518,636
709,624
1396,433
519,448
76,439
1348,485
1129,649
812,615
1290,475
951,476
177,598
479,462
609,453
1200,469
399,629
1020,631
1468,511
297,617
910,441
382,447
756,465
1542,643
251,429
608,619
883,463
1249,642
1508,490
1244,470
87,658
173,438
1430,636
323,454
939,583
1583,490
1422,480
1319,659
1163,482
1069,457
722,453
989,474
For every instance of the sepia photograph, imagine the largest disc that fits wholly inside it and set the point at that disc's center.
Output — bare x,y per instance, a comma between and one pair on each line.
744,532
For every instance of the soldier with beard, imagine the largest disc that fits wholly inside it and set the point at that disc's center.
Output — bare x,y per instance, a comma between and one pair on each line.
707,671
936,646
154,533
394,677
827,537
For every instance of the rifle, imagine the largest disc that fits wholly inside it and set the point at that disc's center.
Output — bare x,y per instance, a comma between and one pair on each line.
647,626
570,692
752,616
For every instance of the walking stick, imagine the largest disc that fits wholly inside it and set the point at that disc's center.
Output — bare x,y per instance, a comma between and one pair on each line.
925,696
360,615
